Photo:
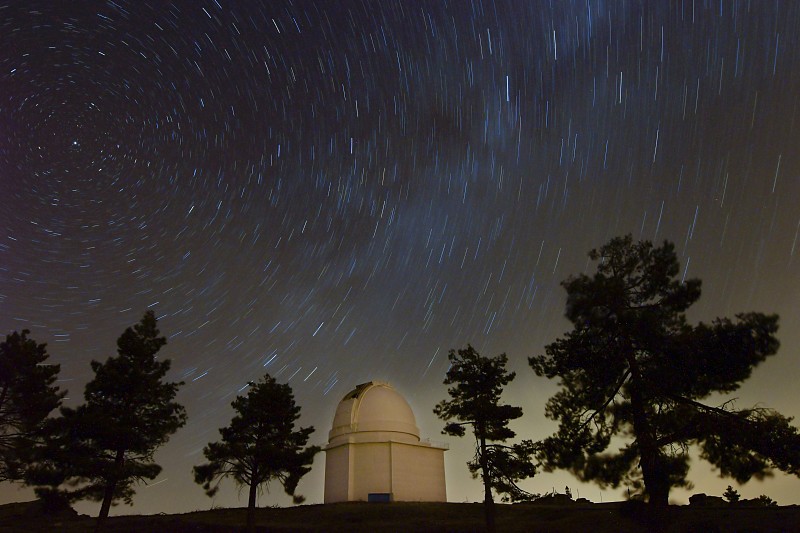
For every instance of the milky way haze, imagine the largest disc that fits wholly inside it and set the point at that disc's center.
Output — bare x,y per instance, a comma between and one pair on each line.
334,192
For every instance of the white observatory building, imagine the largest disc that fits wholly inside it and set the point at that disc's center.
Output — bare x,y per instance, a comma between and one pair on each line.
374,452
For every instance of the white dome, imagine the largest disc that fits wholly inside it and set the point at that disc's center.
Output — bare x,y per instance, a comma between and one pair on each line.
376,408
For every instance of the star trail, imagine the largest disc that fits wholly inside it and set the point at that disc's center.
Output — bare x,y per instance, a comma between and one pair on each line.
334,192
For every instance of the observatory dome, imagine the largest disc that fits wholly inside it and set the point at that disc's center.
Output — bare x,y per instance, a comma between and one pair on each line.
374,452
370,409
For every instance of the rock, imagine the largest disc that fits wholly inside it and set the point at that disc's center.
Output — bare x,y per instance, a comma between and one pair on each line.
704,500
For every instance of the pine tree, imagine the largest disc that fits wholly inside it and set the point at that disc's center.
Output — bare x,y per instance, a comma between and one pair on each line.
633,367
731,495
477,383
102,448
260,444
27,396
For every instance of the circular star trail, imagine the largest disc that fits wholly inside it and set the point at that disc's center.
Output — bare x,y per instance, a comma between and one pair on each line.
334,192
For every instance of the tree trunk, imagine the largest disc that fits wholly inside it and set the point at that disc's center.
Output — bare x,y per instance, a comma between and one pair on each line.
656,481
251,507
111,486
488,501
658,492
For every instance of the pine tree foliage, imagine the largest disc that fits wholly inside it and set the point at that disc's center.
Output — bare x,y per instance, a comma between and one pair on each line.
27,396
261,444
633,367
104,447
476,385
731,495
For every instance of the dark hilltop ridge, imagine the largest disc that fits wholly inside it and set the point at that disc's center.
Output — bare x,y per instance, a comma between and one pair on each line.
618,517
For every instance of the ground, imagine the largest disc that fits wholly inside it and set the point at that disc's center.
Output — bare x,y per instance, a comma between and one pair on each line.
429,517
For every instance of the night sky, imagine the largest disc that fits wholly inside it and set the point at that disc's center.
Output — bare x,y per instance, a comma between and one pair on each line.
335,192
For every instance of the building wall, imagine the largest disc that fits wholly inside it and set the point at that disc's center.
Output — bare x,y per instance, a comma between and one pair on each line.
418,474
408,472
372,472
337,474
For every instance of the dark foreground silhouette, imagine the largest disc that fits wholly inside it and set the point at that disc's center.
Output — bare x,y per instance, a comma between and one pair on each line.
386,517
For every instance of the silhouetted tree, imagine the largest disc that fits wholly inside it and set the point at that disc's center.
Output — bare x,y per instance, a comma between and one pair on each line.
101,449
477,385
633,367
260,444
763,501
731,495
27,396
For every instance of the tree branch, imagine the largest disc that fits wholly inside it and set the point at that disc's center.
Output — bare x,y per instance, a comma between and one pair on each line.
622,381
